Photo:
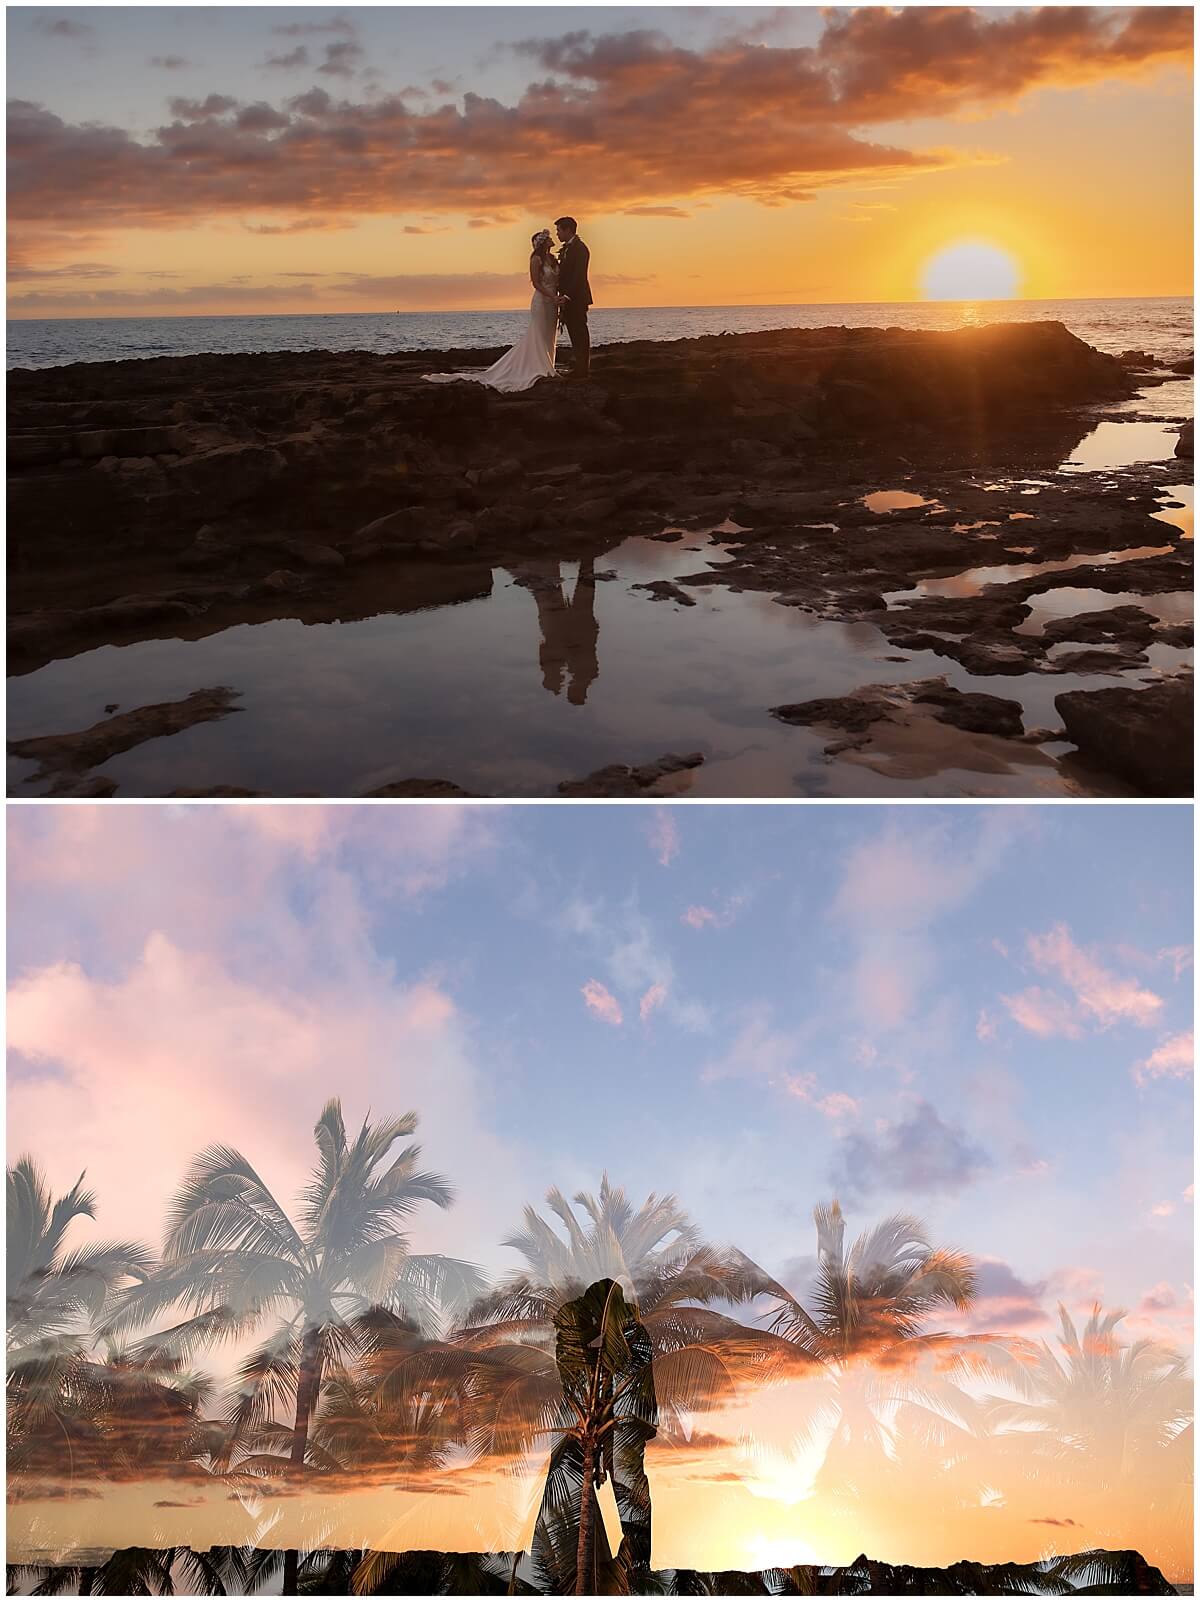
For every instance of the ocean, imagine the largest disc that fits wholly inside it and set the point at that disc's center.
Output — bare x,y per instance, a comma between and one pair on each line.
1162,325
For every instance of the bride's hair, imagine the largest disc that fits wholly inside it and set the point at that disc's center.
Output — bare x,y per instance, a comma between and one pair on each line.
541,241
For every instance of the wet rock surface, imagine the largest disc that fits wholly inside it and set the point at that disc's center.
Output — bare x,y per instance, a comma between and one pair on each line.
171,499
87,748
1144,734
620,779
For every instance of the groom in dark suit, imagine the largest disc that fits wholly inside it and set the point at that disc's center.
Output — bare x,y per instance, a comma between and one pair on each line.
573,282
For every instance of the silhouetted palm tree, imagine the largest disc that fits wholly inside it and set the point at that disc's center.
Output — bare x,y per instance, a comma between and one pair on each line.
55,1295
233,1258
1105,1408
867,1329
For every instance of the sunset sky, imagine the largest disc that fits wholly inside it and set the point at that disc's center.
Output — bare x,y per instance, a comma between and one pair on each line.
978,1015
215,160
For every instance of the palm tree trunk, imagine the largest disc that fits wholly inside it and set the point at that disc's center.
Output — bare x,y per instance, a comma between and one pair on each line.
585,1552
308,1387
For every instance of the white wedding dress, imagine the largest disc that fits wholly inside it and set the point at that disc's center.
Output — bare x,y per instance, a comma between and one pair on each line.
532,357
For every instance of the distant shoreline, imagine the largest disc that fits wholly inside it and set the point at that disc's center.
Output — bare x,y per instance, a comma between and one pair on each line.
506,311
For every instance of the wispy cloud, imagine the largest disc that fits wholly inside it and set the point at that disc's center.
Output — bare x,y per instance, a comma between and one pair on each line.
1174,1058
664,836
1044,1013
601,1002
702,917
653,999
1106,997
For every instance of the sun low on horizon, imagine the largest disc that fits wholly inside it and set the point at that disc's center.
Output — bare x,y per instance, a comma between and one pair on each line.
970,271
189,160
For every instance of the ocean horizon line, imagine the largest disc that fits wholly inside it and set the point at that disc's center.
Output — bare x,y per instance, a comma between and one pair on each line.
500,311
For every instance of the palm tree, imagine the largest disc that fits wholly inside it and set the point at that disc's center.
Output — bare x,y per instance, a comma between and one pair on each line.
605,1365
867,1331
500,1365
137,1571
54,1297
877,1294
233,1258
1106,1408
658,1257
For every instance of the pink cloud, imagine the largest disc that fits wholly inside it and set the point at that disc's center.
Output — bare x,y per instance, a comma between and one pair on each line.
700,918
1106,996
1043,1013
1171,1059
1164,1314
1163,1209
833,1106
1178,957
653,998
600,1001
837,1105
985,1025
710,918
130,1076
664,836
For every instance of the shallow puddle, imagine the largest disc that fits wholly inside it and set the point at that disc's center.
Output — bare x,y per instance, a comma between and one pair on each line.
894,500
1174,606
1122,445
976,579
1180,517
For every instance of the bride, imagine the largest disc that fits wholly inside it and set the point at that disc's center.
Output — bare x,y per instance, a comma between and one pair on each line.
532,357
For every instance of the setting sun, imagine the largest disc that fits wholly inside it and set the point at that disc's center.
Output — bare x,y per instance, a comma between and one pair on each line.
973,270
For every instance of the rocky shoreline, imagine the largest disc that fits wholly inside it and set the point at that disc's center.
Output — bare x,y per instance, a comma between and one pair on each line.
172,498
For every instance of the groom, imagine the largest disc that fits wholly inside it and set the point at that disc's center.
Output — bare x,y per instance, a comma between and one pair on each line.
573,282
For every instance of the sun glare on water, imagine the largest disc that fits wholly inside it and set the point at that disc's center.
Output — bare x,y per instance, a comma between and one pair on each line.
972,270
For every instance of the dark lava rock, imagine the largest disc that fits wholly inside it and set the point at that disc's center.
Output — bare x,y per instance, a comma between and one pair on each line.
1183,445
1094,1573
981,714
418,787
664,590
1126,625
95,786
230,791
1143,735
854,713
88,748
618,779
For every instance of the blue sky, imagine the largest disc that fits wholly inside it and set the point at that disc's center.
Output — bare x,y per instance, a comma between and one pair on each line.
977,1014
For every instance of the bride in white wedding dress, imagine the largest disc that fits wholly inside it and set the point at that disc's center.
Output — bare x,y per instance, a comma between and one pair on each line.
532,357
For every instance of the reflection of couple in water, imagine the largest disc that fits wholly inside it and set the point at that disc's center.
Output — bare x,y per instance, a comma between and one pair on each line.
569,628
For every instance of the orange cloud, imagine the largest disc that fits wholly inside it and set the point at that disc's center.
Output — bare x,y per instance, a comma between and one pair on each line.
600,1001
777,123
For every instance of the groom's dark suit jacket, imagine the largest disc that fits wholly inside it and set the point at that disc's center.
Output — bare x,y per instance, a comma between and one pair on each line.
573,275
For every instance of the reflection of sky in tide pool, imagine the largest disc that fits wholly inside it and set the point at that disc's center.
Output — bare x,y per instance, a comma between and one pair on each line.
1171,607
976,579
511,693
1180,517
896,500
1122,445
